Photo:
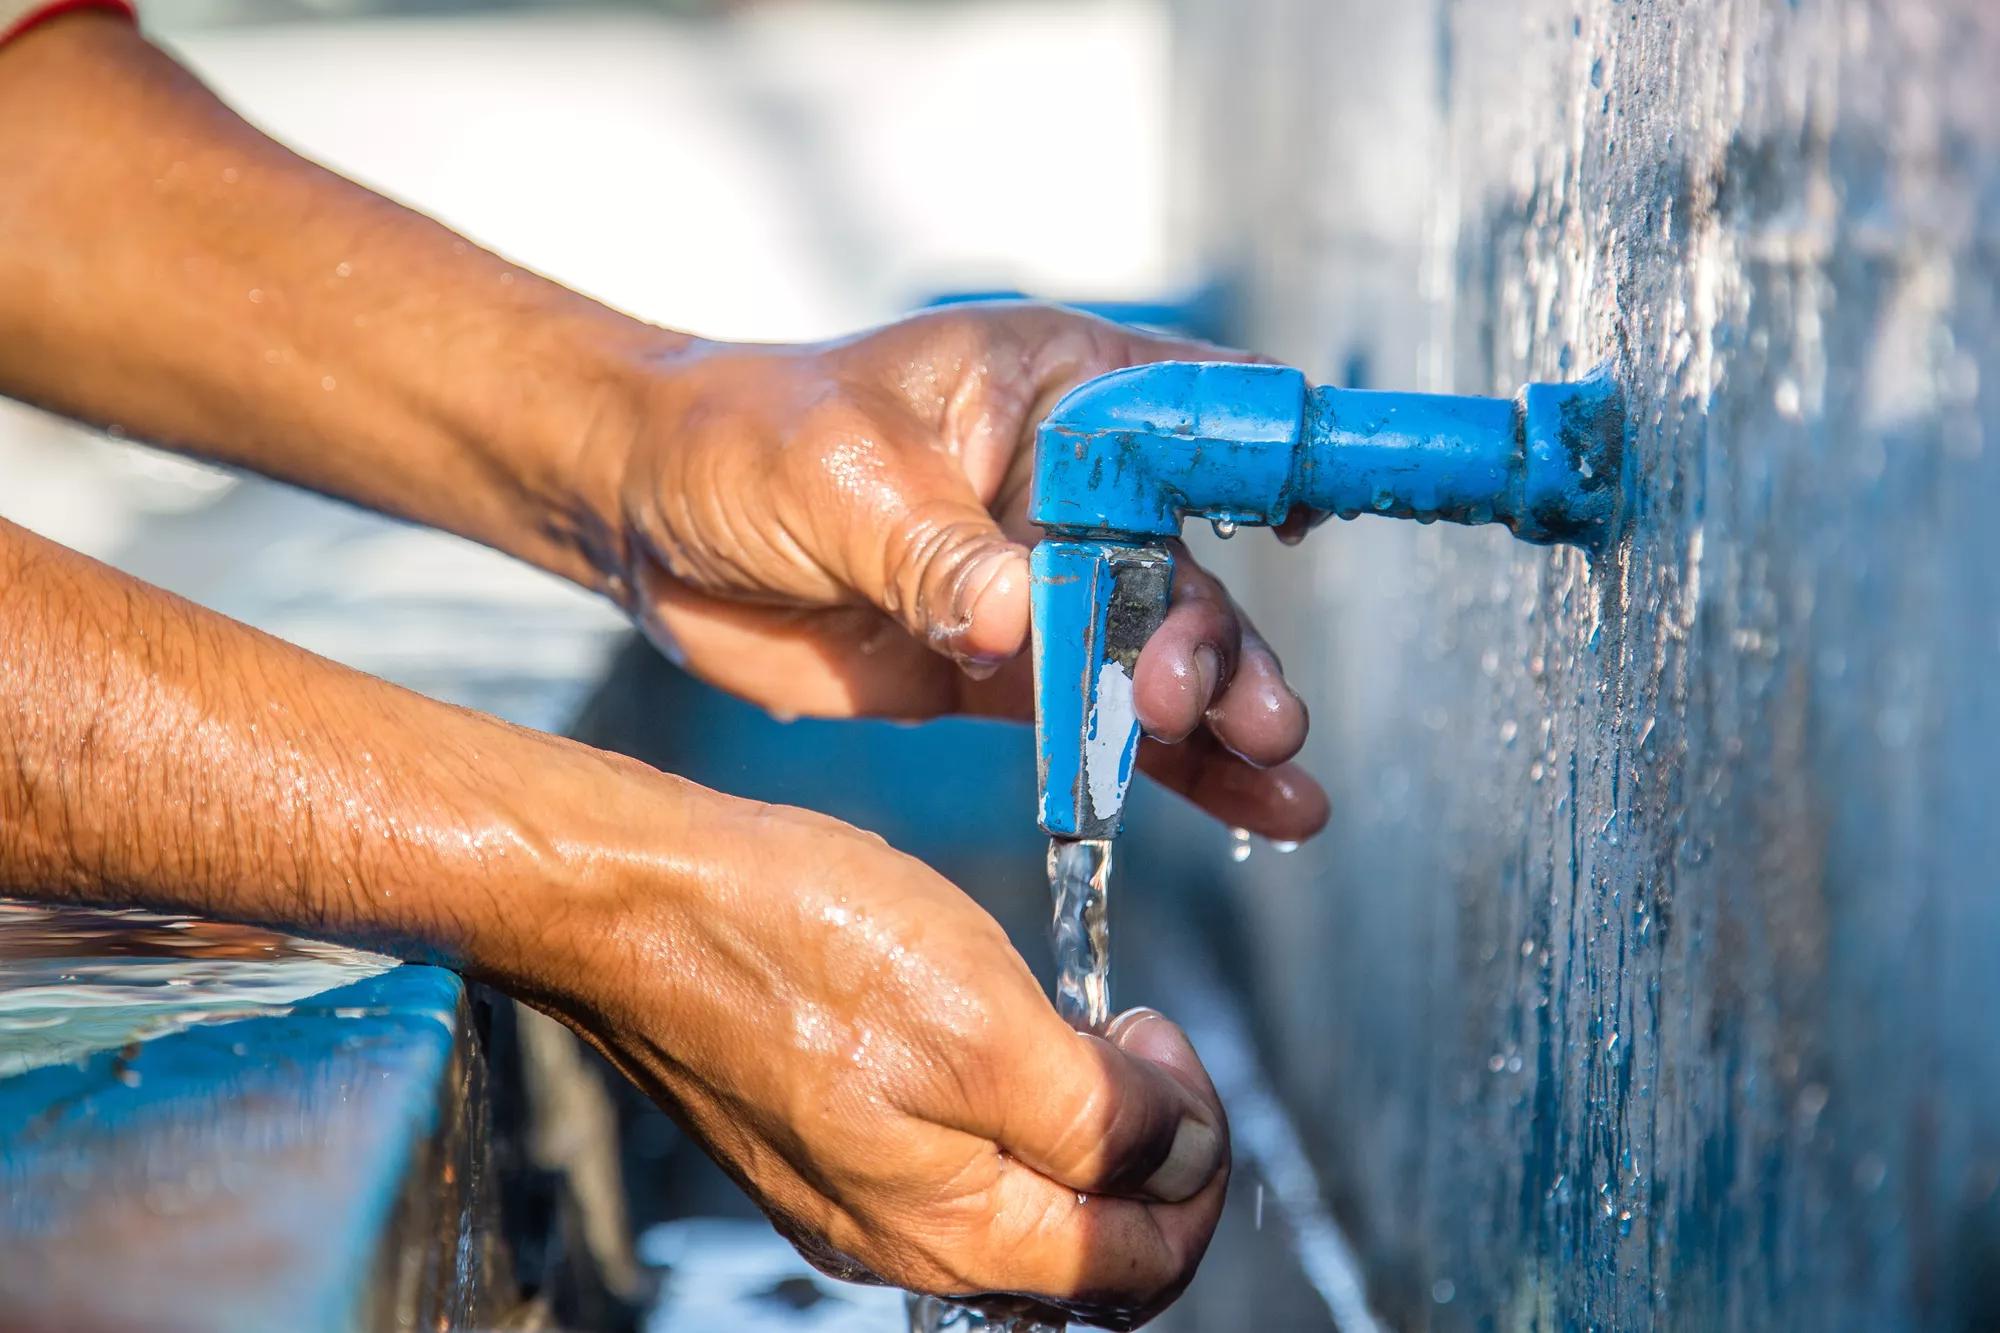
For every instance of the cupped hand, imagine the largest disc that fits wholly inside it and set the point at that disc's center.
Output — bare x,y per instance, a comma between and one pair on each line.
841,530
862,1049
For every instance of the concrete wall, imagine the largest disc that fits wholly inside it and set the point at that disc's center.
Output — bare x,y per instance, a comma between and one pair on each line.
1647,977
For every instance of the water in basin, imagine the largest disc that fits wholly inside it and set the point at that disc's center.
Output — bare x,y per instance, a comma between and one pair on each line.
76,980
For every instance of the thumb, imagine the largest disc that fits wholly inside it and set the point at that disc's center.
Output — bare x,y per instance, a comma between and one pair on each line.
1130,1113
948,573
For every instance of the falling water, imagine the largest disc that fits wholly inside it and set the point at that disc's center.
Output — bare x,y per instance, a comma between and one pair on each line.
929,1314
1079,884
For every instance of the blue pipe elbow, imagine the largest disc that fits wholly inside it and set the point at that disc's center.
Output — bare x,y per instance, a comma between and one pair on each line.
1130,455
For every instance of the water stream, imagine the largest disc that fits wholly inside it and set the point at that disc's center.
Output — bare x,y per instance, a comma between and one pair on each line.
1079,887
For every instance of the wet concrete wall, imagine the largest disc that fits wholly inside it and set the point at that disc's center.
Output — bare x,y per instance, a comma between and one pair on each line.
1647,977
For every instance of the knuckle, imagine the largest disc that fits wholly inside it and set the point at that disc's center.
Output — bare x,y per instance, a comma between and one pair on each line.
932,555
1086,1139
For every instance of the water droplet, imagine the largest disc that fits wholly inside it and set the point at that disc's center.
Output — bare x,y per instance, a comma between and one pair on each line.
1787,398
1239,845
1443,1290
1225,528
1284,847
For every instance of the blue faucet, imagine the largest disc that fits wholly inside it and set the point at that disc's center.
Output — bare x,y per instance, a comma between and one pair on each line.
1124,459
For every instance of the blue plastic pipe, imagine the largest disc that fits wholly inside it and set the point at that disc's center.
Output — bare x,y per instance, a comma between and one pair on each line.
1125,459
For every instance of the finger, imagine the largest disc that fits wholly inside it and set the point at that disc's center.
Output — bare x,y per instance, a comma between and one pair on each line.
1206,662
1107,1261
1258,715
933,557
1148,347
1190,658
840,662
1282,803
1111,1260
1149,1035
1101,1119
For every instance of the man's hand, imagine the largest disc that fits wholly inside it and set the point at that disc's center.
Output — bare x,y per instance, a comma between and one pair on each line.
841,530
862,1049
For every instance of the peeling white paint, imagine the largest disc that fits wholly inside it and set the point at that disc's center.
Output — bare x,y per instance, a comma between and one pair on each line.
1114,731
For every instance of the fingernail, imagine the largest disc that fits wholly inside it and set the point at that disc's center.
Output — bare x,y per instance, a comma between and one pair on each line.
1190,1163
1128,1020
1207,671
979,668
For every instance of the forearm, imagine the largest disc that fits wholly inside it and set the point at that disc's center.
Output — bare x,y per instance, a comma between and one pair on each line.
156,753
167,269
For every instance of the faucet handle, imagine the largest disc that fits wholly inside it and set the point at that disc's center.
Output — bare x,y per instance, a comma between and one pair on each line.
1093,604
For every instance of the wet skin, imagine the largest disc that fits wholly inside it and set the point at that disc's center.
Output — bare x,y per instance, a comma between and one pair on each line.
833,529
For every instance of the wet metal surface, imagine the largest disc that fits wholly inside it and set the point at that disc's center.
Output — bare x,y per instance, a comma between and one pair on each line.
1645,977
217,1128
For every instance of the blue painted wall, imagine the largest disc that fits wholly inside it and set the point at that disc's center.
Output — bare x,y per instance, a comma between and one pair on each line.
1649,974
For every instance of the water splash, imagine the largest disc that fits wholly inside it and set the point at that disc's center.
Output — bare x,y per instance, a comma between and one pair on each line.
932,1314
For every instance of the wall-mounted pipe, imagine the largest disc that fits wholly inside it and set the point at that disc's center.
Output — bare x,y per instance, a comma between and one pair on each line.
1125,459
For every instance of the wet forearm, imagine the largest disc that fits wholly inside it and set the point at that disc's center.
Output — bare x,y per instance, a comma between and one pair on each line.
152,752
167,269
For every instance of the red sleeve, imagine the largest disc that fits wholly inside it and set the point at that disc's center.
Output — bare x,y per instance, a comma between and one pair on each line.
16,18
